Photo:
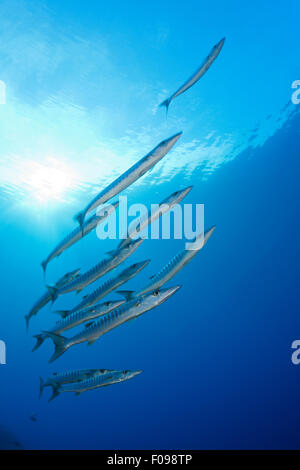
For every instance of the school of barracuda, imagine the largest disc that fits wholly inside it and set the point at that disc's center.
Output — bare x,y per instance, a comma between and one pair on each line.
100,318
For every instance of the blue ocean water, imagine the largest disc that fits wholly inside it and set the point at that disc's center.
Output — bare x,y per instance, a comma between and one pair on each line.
83,83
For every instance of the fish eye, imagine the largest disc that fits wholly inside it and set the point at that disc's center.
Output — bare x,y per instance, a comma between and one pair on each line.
156,292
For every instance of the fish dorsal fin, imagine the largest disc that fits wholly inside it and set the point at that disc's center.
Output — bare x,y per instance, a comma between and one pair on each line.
62,313
128,294
53,292
110,253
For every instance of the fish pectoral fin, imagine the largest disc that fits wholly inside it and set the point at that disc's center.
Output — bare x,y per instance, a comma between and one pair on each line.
91,342
87,325
85,296
77,394
110,253
132,319
78,291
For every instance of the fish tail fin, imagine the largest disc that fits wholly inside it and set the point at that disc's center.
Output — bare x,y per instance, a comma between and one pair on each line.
53,292
166,103
39,341
55,390
59,345
63,313
80,219
127,294
42,386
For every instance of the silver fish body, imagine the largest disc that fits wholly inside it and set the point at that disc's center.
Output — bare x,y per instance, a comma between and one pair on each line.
115,258
79,233
166,205
107,287
98,381
79,317
126,312
74,376
130,176
171,268
198,74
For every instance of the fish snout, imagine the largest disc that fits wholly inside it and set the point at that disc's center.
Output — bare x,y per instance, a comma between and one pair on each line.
142,264
171,291
208,234
165,293
136,243
172,140
131,373
186,191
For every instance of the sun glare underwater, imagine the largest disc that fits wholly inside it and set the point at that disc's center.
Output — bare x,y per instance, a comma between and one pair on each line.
82,85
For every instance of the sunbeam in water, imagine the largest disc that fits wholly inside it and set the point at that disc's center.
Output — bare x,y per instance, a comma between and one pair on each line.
50,180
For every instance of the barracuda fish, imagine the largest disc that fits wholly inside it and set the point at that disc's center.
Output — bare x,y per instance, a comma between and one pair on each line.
165,206
79,317
102,380
115,257
47,296
130,176
198,74
170,269
79,233
70,377
126,312
108,286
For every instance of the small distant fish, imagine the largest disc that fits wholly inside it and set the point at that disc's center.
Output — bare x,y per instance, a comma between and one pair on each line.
47,296
170,269
73,376
77,318
107,287
33,417
198,74
165,206
126,312
79,233
109,378
130,176
115,257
